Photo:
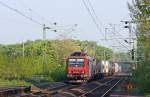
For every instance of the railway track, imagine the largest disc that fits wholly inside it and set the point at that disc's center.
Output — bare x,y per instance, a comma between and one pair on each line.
48,86
48,90
100,88
39,90
12,91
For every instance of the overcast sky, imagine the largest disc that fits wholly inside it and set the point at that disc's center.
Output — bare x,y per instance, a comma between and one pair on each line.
14,28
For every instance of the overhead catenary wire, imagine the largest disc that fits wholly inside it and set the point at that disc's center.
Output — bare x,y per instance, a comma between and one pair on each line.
41,17
19,12
96,20
94,12
99,22
92,17
116,40
119,41
24,7
33,11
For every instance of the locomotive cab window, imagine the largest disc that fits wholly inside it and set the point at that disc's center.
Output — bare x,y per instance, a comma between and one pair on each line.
80,61
72,61
76,62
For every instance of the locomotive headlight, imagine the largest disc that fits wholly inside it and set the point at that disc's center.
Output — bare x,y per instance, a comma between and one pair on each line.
69,75
82,75
85,75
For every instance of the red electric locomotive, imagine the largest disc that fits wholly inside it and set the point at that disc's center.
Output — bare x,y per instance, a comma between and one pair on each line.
81,67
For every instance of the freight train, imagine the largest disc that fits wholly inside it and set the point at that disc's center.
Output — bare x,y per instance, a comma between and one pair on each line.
80,67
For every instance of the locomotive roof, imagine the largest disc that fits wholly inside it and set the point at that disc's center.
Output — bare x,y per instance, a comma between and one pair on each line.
77,57
78,54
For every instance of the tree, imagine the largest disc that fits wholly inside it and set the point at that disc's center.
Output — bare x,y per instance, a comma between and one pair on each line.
15,66
140,12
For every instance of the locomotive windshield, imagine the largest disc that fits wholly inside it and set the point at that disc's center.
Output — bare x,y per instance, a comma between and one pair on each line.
72,61
76,62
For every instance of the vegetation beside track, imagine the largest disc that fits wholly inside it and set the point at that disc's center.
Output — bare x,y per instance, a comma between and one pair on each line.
140,13
16,68
12,83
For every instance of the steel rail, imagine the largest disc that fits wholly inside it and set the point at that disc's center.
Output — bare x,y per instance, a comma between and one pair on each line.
110,89
96,88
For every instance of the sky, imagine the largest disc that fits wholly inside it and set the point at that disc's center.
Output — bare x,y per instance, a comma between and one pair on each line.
15,28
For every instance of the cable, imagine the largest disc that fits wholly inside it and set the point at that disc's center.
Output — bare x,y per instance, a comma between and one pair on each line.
119,41
120,35
19,12
92,8
93,19
100,23
33,11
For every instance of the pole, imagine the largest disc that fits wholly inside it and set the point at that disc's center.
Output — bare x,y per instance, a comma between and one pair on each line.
44,32
104,55
130,35
113,42
114,28
44,50
106,32
105,41
94,49
23,49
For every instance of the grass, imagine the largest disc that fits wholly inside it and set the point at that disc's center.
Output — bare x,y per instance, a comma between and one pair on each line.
12,83
147,94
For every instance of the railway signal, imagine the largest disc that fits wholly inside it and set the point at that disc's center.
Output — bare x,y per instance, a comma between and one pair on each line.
132,54
131,39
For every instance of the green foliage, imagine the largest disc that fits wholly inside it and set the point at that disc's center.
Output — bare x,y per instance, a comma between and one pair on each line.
59,73
140,12
15,66
122,56
4,83
102,53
